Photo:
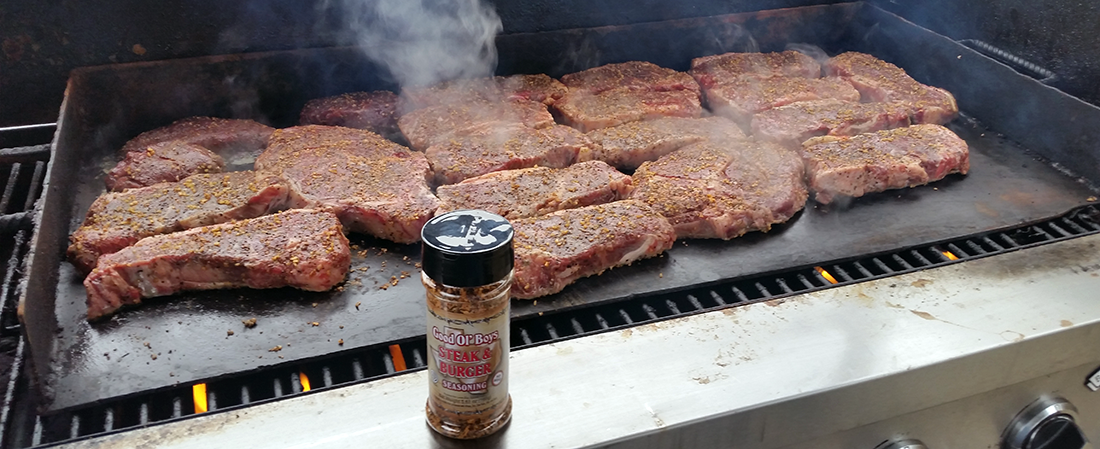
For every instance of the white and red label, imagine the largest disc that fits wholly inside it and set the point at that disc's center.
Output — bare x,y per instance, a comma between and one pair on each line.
467,362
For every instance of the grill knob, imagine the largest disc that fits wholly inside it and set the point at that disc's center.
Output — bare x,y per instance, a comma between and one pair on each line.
902,444
1048,423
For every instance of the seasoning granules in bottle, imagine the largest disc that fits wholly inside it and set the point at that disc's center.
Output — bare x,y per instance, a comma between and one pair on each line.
467,272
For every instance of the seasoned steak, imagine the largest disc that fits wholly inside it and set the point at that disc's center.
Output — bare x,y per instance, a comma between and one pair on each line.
714,70
723,189
119,219
628,145
437,124
879,80
289,146
588,111
168,161
792,124
742,98
637,75
538,88
228,137
494,147
891,159
552,251
303,249
536,191
374,111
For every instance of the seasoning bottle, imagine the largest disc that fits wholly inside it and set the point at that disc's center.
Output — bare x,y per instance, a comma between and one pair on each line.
467,272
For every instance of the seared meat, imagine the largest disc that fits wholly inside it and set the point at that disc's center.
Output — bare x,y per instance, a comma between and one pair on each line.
792,124
493,147
119,219
374,111
536,191
538,88
300,248
162,162
628,145
373,185
229,138
552,251
879,80
711,71
723,189
637,75
892,159
438,124
742,98
587,111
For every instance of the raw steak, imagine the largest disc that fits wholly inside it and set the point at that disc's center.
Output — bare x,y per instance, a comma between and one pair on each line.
711,71
638,75
119,219
536,191
588,111
554,250
289,146
437,124
493,147
628,145
879,80
168,161
792,124
723,189
892,159
741,99
374,111
300,248
227,137
538,88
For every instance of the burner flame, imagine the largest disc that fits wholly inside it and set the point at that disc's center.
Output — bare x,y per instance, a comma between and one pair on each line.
398,358
826,275
949,255
304,380
198,392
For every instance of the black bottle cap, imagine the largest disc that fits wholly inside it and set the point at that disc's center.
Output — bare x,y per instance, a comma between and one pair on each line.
467,248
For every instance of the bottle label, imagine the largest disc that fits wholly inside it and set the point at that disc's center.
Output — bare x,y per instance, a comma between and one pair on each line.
468,362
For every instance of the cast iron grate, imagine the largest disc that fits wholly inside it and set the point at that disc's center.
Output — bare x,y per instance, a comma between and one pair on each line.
367,364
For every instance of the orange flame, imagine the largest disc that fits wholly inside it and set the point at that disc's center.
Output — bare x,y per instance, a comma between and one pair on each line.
304,380
198,392
398,358
825,274
949,255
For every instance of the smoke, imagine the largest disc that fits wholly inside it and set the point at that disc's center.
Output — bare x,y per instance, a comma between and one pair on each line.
810,50
423,42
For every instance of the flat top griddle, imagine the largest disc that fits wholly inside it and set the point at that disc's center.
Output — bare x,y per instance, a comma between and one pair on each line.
186,337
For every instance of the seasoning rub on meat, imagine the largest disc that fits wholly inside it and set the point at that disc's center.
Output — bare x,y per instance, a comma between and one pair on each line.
303,249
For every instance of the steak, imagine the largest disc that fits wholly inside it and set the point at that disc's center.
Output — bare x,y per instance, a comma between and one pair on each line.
742,98
636,75
231,138
373,185
119,219
289,146
528,192
437,124
892,159
374,111
299,248
879,80
723,189
588,111
538,88
552,251
792,124
168,161
494,147
710,71
628,145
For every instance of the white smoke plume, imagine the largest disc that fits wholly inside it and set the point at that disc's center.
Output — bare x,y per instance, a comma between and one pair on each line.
423,42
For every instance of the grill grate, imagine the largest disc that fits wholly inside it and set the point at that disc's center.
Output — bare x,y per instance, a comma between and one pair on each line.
366,364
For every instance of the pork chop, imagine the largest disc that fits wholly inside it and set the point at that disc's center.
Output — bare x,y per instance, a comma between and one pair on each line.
168,161
493,147
535,191
299,248
437,124
554,250
710,71
538,88
231,138
878,80
792,124
289,146
741,99
628,145
374,111
588,111
637,75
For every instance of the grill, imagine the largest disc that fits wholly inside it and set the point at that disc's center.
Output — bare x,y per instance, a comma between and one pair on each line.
555,321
